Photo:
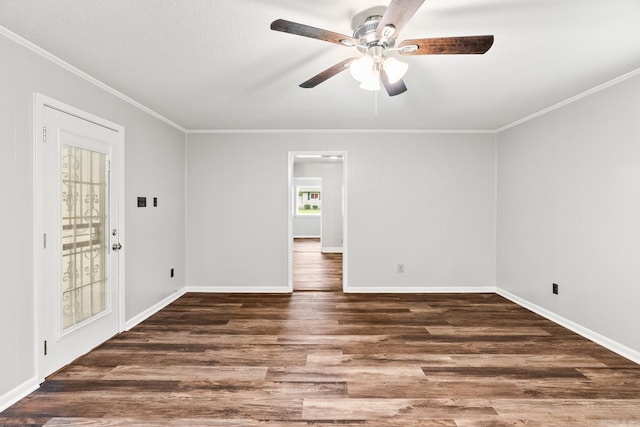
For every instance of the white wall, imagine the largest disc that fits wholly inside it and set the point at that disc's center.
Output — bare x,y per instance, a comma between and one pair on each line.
305,225
445,237
331,175
569,212
154,165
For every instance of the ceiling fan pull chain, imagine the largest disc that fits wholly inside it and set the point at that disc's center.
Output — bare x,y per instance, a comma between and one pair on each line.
375,103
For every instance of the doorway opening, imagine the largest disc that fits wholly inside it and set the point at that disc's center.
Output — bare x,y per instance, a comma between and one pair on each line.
317,221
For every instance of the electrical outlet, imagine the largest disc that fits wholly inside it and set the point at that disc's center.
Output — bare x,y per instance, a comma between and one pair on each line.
400,268
554,288
171,272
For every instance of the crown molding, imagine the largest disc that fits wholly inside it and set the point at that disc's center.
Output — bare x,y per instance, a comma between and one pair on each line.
73,70
54,59
337,131
571,100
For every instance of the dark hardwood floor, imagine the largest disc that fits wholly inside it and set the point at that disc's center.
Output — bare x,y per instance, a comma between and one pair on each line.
324,358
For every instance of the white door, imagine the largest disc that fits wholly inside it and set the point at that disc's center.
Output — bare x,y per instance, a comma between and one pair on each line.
78,282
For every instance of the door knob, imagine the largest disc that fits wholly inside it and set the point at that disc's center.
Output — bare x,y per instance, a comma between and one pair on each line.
116,246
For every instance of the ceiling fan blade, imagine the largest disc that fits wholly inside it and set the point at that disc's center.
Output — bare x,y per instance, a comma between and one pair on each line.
393,89
327,74
449,45
312,32
398,14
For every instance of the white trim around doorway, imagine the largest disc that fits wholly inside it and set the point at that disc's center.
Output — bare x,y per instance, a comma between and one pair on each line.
345,222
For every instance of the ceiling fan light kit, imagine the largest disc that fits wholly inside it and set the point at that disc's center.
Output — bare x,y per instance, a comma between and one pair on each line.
375,31
366,70
395,69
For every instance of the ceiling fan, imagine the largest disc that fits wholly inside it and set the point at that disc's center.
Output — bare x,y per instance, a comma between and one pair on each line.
375,31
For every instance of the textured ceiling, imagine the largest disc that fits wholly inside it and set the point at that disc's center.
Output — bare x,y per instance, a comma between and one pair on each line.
215,64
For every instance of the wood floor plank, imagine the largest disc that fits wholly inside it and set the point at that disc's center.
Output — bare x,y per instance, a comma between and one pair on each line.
151,422
188,373
574,412
377,408
337,373
486,331
319,357
409,388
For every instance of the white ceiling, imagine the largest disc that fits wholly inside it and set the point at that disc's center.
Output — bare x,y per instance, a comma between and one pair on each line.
215,64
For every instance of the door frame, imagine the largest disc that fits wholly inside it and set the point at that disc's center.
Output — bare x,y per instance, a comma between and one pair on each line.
41,101
345,210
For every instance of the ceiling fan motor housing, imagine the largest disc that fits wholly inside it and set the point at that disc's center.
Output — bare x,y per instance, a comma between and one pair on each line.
365,26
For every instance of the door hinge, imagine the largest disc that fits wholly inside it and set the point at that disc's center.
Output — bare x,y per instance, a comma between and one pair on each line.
44,241
45,348
44,134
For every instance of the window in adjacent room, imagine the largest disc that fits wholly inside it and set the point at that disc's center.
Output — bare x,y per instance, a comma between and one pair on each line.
308,201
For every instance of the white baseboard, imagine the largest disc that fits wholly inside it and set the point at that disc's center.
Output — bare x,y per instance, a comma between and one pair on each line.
239,289
20,392
587,333
306,237
153,310
420,289
331,250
